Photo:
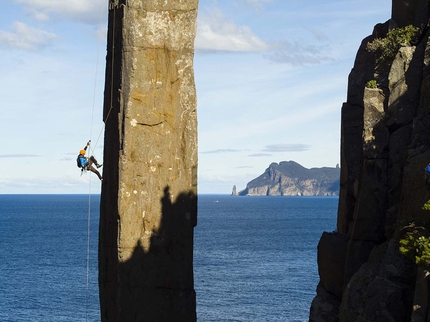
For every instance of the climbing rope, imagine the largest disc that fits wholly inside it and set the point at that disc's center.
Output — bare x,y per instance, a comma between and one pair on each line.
91,152
92,148
88,252
111,84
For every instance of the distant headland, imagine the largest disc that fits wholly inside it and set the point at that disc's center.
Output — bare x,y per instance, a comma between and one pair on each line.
288,178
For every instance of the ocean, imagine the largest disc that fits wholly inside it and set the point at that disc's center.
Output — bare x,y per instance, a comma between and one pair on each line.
254,257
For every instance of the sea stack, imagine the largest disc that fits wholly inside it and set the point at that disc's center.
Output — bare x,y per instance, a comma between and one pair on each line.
234,191
148,205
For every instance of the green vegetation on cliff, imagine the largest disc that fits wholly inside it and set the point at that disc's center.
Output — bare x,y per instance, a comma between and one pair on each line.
372,84
415,241
386,48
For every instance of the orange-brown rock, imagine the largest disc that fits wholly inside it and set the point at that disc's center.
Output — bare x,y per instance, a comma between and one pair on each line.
149,194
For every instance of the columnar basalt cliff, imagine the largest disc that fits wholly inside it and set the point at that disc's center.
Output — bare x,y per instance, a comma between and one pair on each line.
149,194
384,149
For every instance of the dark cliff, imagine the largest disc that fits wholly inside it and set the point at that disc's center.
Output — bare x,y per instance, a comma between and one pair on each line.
385,135
288,178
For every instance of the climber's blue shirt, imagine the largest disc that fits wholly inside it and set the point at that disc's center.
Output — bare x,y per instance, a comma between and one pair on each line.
83,161
428,168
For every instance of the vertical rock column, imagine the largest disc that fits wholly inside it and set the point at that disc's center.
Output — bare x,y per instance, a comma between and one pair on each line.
148,205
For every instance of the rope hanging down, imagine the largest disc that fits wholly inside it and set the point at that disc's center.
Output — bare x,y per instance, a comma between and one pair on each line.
92,150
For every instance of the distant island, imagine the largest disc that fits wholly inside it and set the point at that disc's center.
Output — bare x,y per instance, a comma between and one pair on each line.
288,178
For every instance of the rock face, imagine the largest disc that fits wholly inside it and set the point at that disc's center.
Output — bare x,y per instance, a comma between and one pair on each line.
149,194
384,149
289,178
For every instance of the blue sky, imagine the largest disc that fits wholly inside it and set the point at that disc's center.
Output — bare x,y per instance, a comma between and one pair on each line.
271,77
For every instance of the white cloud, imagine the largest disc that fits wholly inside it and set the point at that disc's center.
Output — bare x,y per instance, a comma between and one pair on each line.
258,155
297,54
80,10
256,4
19,156
286,148
220,151
216,33
25,37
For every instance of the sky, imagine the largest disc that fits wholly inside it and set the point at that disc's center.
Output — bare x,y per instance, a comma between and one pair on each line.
271,77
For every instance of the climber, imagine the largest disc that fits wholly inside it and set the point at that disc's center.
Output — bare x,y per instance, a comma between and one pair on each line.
423,28
87,163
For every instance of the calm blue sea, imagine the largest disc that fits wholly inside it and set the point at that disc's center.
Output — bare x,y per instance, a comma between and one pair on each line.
255,257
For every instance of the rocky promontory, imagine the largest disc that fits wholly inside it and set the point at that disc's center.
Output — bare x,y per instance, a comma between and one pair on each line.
288,178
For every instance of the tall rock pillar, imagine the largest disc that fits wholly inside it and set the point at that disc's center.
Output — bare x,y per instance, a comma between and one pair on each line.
148,205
